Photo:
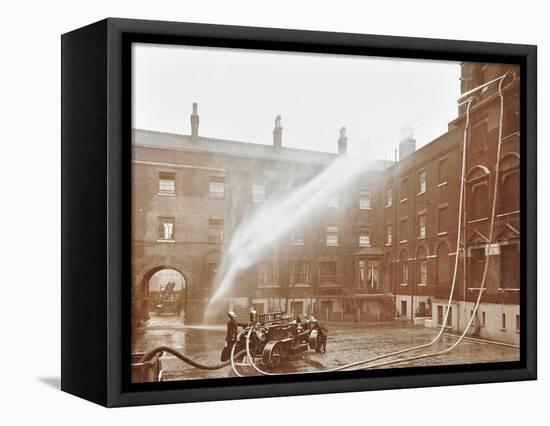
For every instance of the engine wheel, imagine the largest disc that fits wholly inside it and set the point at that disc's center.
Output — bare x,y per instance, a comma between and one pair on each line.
271,355
321,345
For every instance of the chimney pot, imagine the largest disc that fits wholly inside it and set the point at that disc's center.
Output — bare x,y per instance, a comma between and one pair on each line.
343,142
195,123
278,133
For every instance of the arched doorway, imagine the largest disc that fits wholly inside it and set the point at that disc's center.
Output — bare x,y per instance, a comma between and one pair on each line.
162,294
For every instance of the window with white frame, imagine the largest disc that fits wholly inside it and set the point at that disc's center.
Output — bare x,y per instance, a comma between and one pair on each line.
389,235
258,193
300,273
333,201
389,196
364,237
332,235
167,183
215,230
422,182
266,275
422,226
166,228
423,271
217,187
364,199
297,237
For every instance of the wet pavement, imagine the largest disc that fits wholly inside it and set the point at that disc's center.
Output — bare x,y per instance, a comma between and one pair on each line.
347,342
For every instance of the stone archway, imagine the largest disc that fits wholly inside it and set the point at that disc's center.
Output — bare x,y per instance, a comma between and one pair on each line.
140,289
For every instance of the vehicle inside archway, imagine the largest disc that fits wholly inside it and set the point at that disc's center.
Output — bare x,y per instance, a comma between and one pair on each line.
167,296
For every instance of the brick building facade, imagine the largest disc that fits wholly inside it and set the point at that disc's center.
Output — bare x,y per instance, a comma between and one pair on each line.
383,248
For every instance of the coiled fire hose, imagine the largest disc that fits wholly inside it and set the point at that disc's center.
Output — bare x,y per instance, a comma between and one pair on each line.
150,354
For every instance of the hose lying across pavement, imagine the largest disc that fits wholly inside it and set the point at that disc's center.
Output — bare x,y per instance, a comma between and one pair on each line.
150,354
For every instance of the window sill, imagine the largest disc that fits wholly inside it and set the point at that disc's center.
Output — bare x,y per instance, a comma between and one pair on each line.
420,193
300,285
166,241
403,200
388,244
421,285
388,206
508,214
403,284
422,238
166,194
297,244
365,208
364,245
333,245
269,286
478,220
442,184
442,233
402,241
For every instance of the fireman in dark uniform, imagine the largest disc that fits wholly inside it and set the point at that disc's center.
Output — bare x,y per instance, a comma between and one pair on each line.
231,336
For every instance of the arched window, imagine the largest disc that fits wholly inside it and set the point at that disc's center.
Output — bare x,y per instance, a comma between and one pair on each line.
509,193
443,266
478,193
404,265
422,261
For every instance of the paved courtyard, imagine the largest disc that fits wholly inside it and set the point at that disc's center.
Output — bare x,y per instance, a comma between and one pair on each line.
347,342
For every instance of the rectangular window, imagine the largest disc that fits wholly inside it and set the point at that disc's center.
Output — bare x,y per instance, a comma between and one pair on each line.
258,193
404,273
266,275
333,201
503,325
217,187
364,237
166,228
517,323
403,308
483,319
332,235
423,271
404,189
297,237
479,137
389,196
403,230
422,226
300,273
167,183
389,236
215,230
442,172
327,272
422,182
364,200
509,266
442,225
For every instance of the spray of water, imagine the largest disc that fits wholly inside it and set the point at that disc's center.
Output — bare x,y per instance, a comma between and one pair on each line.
280,214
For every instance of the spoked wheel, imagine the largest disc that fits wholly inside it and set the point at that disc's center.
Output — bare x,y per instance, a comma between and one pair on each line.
271,355
321,344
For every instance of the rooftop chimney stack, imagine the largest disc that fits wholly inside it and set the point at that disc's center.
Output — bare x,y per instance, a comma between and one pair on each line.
195,123
278,133
343,142
407,143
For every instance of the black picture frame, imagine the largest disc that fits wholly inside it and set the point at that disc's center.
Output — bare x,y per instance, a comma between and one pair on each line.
96,279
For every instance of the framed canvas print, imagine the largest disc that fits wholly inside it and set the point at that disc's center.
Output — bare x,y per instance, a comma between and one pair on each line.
254,212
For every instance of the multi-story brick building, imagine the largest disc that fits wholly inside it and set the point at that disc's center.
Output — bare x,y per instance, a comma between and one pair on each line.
385,246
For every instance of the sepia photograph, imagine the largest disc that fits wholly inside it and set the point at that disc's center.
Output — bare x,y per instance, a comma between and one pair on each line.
300,213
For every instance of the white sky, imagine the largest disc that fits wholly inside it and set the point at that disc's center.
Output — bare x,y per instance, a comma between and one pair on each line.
240,92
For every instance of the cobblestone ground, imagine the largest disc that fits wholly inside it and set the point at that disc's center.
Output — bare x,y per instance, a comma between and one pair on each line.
348,342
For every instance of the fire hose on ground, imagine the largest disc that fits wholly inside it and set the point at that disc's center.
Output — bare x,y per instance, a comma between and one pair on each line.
150,354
